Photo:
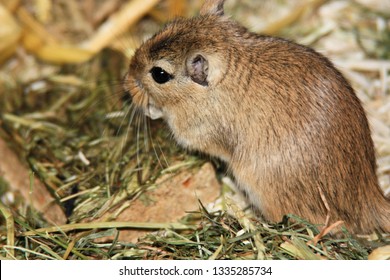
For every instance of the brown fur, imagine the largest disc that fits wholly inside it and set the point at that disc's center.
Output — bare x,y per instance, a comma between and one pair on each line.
284,119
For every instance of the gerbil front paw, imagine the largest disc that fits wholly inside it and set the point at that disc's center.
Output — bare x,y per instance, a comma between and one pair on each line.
153,112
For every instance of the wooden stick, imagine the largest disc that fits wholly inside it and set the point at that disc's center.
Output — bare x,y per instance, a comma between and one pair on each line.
102,225
118,23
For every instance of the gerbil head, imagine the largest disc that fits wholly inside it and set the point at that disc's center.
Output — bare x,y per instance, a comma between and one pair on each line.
181,63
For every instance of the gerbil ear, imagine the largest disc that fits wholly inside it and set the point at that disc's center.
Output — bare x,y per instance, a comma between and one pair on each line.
212,7
198,69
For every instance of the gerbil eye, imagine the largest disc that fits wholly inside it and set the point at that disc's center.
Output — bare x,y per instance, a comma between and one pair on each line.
160,75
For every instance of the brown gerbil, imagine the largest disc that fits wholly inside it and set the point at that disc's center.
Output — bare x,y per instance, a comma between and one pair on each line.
286,122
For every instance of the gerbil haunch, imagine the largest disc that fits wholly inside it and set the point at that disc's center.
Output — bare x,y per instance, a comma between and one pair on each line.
286,122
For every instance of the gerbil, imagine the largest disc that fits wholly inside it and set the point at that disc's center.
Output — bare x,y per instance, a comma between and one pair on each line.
286,122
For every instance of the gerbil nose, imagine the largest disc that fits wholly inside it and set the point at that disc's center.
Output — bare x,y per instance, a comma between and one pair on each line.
126,92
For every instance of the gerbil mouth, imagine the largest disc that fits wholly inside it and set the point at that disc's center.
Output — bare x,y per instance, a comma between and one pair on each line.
135,91
141,99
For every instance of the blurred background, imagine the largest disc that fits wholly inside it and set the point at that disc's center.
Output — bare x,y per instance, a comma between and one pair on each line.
69,153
